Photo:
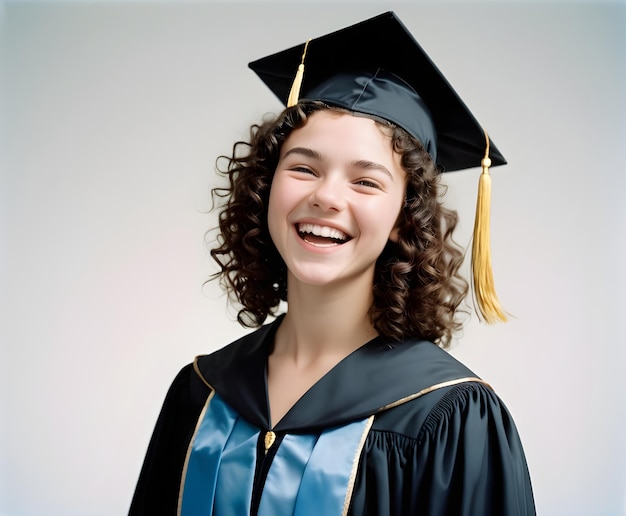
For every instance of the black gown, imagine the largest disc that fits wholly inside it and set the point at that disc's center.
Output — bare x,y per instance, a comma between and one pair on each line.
441,443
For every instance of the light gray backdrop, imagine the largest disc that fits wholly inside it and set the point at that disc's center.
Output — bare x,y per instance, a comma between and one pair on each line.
113,115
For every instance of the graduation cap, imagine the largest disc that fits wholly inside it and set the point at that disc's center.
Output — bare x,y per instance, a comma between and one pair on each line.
377,68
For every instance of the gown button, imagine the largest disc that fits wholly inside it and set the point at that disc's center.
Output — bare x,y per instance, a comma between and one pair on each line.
270,437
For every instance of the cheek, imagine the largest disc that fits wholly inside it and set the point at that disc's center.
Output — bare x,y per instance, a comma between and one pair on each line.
380,222
279,206
272,214
388,218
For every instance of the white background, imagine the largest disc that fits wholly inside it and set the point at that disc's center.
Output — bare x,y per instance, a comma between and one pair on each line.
112,117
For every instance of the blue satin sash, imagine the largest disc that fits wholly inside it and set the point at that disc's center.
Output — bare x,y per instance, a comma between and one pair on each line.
311,474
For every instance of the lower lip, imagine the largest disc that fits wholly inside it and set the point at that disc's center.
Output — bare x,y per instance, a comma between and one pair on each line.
321,246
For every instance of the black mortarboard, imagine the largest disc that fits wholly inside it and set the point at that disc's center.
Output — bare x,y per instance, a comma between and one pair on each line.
377,68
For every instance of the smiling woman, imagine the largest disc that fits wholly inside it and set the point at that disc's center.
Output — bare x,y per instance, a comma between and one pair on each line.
346,403
348,181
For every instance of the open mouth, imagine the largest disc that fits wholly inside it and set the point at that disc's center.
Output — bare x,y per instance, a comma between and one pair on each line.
321,236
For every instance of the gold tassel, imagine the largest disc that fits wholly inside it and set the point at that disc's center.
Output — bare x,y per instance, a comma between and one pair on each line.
482,275
294,94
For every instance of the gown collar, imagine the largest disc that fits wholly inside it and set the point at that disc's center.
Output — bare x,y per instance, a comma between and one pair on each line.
370,379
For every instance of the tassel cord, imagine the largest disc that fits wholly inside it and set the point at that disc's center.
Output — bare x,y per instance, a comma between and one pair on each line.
294,93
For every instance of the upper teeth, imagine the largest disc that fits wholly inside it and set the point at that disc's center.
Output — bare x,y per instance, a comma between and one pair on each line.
322,231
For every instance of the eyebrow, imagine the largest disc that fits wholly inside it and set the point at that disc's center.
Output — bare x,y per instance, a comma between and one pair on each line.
370,165
309,153
361,163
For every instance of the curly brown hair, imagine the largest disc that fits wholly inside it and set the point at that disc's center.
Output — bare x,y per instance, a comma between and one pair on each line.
417,286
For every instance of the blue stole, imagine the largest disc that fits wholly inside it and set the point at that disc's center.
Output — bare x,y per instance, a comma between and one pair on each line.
310,474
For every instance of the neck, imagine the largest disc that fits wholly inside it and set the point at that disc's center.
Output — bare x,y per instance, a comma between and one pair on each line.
325,321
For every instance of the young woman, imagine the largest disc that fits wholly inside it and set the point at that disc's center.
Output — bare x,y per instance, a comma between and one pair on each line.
346,403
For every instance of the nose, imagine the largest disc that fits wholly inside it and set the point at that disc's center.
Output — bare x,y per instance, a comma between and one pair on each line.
328,195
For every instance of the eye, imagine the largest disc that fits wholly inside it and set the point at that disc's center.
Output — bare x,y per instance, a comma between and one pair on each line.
303,170
367,183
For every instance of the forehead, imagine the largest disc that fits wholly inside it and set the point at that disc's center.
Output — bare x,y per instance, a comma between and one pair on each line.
337,130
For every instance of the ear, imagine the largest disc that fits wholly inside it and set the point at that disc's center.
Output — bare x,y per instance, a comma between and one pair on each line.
394,235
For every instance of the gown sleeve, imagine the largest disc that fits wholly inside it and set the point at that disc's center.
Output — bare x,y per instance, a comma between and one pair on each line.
457,452
470,459
159,481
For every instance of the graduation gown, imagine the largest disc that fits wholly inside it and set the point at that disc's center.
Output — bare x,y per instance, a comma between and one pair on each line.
438,440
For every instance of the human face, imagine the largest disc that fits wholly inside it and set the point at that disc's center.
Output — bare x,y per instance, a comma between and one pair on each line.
335,198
